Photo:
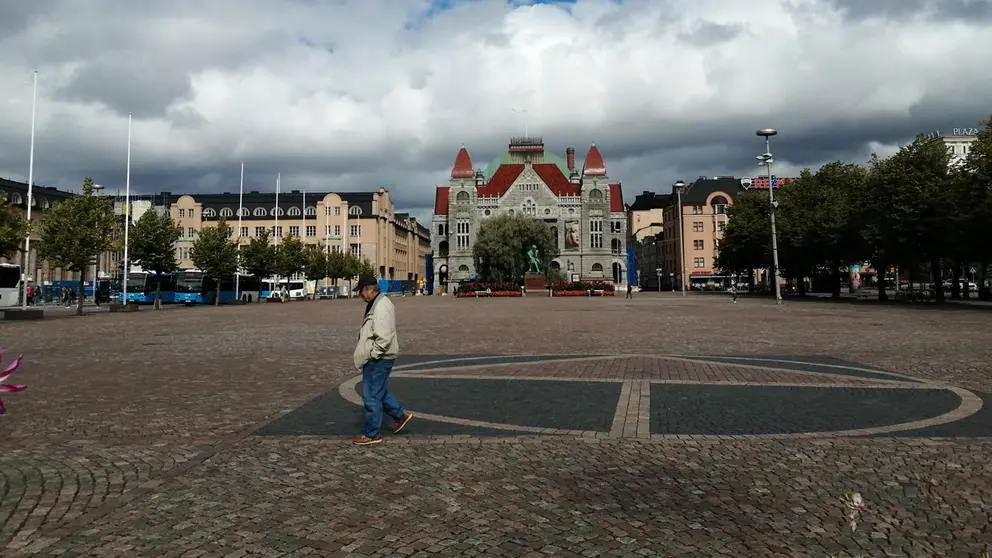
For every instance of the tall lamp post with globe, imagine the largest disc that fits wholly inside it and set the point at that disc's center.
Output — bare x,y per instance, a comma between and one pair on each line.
766,160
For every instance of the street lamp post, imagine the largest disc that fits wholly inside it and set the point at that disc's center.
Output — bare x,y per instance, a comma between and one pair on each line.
678,192
766,159
96,263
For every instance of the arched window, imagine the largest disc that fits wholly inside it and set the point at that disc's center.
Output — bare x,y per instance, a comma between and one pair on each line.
311,210
277,211
554,234
463,268
293,211
615,246
442,249
209,212
462,197
260,212
529,208
597,268
16,199
719,204
244,212
354,210
596,195
226,212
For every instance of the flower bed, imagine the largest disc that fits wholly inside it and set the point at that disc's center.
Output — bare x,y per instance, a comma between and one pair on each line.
583,288
490,294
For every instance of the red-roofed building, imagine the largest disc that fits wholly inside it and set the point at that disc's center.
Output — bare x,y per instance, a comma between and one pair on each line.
583,207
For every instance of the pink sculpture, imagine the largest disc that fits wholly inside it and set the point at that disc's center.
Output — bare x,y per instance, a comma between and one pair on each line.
8,388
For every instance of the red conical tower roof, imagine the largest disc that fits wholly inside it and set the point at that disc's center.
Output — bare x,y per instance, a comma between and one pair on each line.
463,165
594,165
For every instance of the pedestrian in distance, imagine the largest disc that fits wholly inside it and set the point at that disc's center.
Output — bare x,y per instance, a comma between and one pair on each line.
375,356
733,291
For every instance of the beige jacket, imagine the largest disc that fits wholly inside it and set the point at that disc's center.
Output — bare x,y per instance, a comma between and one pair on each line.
377,338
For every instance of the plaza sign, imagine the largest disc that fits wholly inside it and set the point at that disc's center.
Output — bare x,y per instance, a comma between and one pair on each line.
966,131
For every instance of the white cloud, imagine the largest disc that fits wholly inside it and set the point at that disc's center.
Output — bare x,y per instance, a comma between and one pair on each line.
357,94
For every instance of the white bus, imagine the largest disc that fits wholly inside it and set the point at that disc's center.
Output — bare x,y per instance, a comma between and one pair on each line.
10,285
297,289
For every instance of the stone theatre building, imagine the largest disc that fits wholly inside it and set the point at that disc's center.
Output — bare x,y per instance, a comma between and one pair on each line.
583,207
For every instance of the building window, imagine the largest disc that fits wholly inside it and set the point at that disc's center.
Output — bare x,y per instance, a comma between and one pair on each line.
596,195
337,230
697,210
698,244
225,212
462,231
277,211
596,232
277,231
697,226
337,211
462,197
616,227
259,231
260,212
698,262
720,209
528,208
356,250
721,226
209,213
190,232
294,230
182,212
243,233
293,212
354,210
327,230
243,212
356,230
311,230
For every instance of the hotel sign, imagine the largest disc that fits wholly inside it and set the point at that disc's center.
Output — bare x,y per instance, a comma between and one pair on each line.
966,131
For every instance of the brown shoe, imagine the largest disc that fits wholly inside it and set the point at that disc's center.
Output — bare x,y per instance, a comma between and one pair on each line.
401,424
366,441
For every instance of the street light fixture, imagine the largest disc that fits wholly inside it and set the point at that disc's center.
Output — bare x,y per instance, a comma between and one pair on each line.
678,192
766,160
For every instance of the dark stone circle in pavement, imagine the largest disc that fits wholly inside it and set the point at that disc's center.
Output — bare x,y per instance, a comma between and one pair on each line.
421,362
978,425
806,364
737,410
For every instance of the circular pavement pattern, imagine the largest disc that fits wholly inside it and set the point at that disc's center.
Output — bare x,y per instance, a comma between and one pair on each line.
649,396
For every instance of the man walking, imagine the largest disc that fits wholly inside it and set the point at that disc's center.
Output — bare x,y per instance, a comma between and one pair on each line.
374,356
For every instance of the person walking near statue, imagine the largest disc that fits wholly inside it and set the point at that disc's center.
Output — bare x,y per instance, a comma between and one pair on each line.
375,355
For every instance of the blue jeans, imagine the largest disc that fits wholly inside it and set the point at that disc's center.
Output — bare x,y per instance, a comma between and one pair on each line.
375,396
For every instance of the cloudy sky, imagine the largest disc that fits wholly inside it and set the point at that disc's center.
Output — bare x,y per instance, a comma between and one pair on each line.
351,95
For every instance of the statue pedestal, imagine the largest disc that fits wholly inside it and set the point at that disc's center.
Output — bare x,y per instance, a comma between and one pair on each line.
535,282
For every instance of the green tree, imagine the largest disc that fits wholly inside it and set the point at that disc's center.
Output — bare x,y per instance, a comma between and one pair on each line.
76,231
316,265
290,257
13,229
258,257
358,266
972,195
746,244
904,209
215,254
501,246
153,241
337,265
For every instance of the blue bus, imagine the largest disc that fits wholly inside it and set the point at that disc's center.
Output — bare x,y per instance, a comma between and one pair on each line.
247,287
142,285
189,287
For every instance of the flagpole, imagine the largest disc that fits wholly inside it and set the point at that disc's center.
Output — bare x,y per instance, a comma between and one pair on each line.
26,260
241,201
276,227
127,210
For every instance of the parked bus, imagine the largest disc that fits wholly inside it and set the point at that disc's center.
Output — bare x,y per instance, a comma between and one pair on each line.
10,285
142,286
189,287
247,288
297,289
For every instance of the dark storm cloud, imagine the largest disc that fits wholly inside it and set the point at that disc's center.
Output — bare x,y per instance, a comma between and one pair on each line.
141,87
973,11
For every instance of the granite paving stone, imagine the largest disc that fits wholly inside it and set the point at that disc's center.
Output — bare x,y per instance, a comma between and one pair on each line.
186,432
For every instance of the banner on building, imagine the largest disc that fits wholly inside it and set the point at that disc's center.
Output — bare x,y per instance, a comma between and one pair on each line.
572,237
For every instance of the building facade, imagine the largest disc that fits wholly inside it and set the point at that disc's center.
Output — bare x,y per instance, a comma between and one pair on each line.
43,198
645,226
584,209
364,224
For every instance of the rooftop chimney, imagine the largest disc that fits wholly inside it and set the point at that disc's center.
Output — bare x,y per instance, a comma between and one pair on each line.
570,158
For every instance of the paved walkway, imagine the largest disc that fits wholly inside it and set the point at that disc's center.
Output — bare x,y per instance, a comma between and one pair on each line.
573,427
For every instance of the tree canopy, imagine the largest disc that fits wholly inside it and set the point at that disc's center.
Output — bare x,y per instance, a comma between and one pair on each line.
501,245
290,257
913,210
76,231
152,245
13,229
259,256
215,254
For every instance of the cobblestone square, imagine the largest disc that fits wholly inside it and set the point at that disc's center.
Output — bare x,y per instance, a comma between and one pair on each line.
658,426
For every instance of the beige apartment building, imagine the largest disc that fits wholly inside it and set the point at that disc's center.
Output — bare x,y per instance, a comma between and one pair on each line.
364,224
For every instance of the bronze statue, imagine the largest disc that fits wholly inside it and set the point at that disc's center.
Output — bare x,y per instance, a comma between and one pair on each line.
535,260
